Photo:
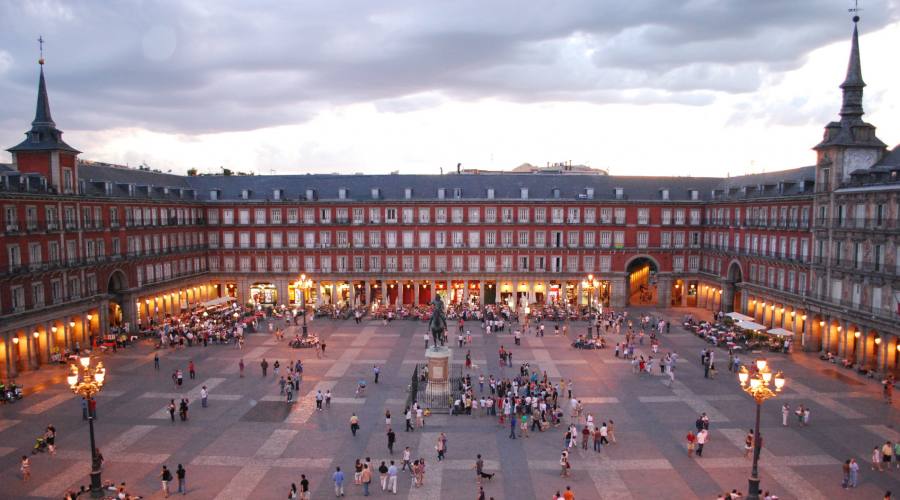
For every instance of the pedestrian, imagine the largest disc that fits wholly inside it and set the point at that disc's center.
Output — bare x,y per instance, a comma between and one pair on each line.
887,454
382,475
691,440
854,472
156,361
702,438
748,443
876,460
265,366
180,474
564,464
50,439
241,367
391,439
785,413
84,409
376,371
191,371
304,487
292,495
327,398
512,427
171,409
204,396
92,408
354,424
387,419
276,368
568,494
392,478
407,456
165,476
319,398
25,468
366,479
440,448
409,427
338,478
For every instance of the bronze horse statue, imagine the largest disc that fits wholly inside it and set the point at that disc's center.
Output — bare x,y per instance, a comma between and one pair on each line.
438,323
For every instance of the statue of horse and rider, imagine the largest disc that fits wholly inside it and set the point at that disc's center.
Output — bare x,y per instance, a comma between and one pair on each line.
438,323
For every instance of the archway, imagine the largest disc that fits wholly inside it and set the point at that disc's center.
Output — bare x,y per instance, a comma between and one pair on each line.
731,300
641,273
115,286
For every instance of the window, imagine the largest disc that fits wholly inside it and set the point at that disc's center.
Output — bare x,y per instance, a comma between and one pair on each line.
490,215
440,215
456,215
424,215
424,263
408,237
490,263
457,239
407,215
523,215
390,239
574,215
523,238
522,263
540,239
588,264
619,239
678,263
506,215
343,240
693,263
473,264
261,239
490,239
259,216
424,239
440,239
37,294
605,239
474,239
506,239
605,263
572,238
679,216
620,215
540,215
556,215
644,216
474,215
440,263
309,239
358,215
642,239
374,215
18,298
341,215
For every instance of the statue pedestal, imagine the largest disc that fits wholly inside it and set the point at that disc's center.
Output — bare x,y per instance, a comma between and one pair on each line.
439,360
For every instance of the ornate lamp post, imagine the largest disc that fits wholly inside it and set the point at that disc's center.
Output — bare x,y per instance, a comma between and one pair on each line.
86,380
304,284
90,328
592,285
758,383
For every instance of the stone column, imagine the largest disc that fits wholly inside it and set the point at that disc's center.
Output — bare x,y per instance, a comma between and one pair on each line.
353,294
744,304
481,293
129,311
103,318
415,285
841,340
66,332
29,349
664,291
618,295
334,294
12,353
48,333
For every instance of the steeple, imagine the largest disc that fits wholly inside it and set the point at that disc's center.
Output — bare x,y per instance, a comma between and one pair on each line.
43,136
852,109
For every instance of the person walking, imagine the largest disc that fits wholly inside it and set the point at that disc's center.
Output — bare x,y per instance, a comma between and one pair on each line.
376,371
691,442
354,424
392,478
887,455
409,427
366,479
338,478
192,373
785,414
171,409
512,426
876,459
165,476
204,396
241,367
748,443
702,438
407,456
382,475
180,474
156,361
304,487
854,473
391,439
292,494
265,366
564,464
25,468
440,447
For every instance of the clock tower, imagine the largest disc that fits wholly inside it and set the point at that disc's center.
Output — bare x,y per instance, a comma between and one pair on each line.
848,144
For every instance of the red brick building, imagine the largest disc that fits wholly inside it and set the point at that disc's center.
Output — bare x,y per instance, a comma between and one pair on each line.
87,245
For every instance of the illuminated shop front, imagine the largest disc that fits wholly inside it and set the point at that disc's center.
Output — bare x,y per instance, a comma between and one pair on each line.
263,294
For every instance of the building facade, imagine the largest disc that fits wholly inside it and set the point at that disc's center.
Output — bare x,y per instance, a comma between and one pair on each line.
812,250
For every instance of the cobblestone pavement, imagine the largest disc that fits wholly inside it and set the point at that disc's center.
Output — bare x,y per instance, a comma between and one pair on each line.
249,444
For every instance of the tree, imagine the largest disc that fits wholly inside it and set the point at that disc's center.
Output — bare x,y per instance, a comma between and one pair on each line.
192,172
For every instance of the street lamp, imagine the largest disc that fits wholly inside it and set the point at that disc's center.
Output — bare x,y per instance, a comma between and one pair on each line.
592,285
90,328
86,381
304,284
757,384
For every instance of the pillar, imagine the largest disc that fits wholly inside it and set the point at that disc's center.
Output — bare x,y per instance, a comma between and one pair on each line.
881,354
481,293
618,295
745,300
48,334
353,294
664,292
103,318
29,348
334,293
129,311
415,285
12,354
66,332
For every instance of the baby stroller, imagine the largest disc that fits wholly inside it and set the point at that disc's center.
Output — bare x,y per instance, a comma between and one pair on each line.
40,445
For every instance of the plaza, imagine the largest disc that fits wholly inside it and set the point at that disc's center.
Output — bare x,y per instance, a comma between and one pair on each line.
249,443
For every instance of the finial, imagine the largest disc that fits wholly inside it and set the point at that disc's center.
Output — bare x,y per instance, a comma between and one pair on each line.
855,11
41,42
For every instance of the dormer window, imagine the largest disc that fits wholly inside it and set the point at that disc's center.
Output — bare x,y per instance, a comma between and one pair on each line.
245,194
442,193
490,193
407,194
376,193
523,193
590,193
695,195
342,193
310,195
664,194
555,193
457,193
620,193
277,194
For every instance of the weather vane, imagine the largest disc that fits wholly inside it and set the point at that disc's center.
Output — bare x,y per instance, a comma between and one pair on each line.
855,10
41,44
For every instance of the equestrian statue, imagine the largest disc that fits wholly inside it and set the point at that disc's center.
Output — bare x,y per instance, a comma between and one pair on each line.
438,323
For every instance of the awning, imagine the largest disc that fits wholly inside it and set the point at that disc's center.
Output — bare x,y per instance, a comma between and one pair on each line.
217,301
749,325
738,316
780,332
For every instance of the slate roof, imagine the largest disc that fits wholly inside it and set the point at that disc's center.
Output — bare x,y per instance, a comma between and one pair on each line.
43,136
425,187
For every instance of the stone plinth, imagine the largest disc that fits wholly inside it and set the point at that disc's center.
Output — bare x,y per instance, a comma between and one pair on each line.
438,364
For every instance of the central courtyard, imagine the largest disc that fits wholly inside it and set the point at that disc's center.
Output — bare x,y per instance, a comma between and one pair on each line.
249,443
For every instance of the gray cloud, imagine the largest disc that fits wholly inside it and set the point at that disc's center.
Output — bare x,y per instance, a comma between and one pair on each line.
238,65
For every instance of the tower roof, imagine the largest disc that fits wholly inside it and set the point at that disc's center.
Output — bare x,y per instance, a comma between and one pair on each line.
43,136
853,83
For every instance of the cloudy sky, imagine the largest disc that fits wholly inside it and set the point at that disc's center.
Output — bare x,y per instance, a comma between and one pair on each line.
698,87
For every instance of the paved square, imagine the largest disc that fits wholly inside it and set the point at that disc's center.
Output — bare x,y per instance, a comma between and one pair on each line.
248,443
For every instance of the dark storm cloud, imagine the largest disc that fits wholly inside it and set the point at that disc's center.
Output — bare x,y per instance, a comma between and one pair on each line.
228,65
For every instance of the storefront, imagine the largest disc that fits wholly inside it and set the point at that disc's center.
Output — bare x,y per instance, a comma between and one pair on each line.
393,293
554,292
409,294
692,293
424,293
441,290
231,290
474,295
263,294
506,295
490,292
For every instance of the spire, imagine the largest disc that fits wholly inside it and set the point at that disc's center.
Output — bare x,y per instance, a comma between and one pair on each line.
42,113
852,109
